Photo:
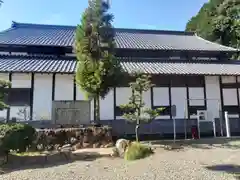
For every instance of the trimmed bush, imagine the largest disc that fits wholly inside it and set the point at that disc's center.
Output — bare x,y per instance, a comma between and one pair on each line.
17,137
137,151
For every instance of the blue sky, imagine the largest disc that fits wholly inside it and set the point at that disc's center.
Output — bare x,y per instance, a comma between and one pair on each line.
144,14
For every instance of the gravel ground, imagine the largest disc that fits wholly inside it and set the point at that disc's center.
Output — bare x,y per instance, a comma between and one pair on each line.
187,164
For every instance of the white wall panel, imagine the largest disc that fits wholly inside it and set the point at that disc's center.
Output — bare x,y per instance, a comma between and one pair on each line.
3,113
228,79
161,98
20,80
122,97
196,96
213,96
79,94
230,97
15,112
179,98
42,97
64,87
107,107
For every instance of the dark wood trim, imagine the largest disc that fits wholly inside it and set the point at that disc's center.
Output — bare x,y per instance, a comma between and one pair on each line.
31,96
8,110
238,96
151,97
188,103
205,93
114,103
74,89
53,86
221,93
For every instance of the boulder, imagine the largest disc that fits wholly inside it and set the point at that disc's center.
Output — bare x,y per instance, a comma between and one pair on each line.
121,146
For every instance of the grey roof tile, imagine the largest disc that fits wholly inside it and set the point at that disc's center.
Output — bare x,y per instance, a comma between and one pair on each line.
53,35
53,64
42,64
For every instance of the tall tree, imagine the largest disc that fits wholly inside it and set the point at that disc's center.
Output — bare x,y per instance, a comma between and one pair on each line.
97,68
218,21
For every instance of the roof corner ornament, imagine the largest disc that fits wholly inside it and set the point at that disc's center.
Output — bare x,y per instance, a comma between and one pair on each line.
14,24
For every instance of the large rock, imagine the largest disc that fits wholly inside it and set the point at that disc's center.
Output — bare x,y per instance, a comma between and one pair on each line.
121,146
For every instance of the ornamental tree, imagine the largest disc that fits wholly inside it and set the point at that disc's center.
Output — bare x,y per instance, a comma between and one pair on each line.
97,68
4,85
135,111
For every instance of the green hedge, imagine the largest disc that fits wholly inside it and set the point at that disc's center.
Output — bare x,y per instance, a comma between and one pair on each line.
16,136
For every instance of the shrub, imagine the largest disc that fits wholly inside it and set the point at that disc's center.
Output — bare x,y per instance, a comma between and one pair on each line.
137,151
17,137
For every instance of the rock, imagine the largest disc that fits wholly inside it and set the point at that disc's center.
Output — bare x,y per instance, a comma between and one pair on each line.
87,145
96,145
78,146
114,152
108,145
122,145
73,140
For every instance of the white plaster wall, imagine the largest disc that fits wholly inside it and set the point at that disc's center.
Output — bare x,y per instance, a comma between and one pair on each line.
64,87
196,96
161,98
179,98
79,94
122,97
147,98
3,113
228,79
213,96
230,97
107,107
20,80
42,97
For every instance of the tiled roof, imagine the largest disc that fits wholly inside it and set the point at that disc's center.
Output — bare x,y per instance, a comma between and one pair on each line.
53,64
53,35
42,64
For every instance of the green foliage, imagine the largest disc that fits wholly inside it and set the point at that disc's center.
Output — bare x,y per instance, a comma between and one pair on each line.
97,68
16,136
218,21
4,85
135,110
137,151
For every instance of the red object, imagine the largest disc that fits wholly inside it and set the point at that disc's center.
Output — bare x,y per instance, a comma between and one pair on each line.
194,131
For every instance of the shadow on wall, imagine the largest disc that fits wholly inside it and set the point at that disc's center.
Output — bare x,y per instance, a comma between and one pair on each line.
209,143
227,168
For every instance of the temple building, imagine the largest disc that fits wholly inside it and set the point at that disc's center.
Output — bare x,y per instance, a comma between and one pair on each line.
189,72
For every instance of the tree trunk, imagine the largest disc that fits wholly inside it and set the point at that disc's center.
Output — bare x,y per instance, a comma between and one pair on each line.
97,110
136,132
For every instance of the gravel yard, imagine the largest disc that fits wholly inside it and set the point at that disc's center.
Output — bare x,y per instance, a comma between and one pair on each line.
198,163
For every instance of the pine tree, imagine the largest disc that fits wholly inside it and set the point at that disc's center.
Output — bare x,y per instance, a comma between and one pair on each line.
135,111
97,68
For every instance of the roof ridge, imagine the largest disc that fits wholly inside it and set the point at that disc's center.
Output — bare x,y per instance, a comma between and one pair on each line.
29,25
152,31
155,31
